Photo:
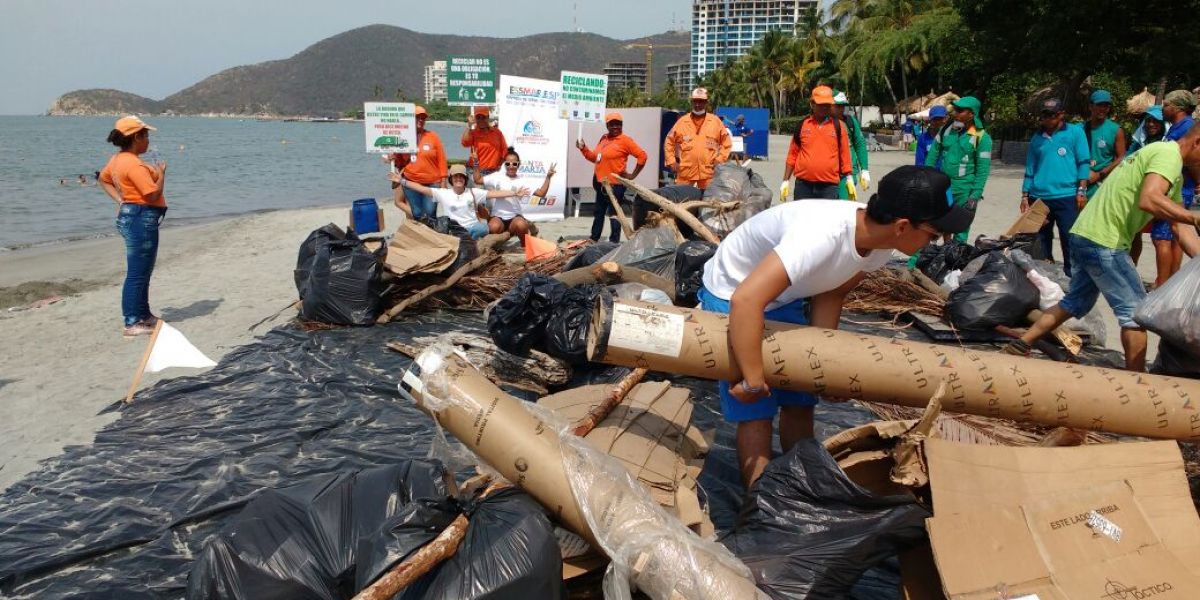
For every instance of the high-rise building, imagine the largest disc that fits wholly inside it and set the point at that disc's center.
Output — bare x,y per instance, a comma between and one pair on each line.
435,81
723,30
623,75
679,75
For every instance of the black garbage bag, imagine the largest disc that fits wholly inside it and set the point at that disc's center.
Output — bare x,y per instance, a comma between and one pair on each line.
468,251
339,281
690,258
1175,361
518,320
809,532
999,294
567,329
509,551
301,541
938,259
588,256
1029,243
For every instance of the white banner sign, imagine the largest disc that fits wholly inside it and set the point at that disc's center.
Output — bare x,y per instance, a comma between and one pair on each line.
584,96
390,127
529,120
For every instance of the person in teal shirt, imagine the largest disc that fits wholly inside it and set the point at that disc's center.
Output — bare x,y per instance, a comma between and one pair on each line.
1145,185
965,151
1105,138
1056,172
858,144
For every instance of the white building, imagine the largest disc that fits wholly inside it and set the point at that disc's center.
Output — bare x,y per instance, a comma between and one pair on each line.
626,75
435,81
679,75
723,30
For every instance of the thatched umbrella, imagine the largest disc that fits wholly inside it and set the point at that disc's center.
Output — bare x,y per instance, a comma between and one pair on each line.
914,104
1138,104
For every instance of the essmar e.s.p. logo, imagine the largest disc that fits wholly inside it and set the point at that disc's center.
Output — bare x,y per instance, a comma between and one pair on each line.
532,128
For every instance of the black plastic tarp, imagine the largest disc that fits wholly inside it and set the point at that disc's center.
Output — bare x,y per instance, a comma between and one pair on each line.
126,515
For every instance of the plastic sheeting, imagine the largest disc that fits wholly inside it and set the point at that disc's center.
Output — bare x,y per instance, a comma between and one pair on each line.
125,516
808,532
1172,311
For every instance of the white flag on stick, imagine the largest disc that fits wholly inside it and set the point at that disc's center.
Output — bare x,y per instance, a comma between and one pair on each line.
168,348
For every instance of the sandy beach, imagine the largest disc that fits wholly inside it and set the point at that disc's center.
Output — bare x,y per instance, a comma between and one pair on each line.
65,362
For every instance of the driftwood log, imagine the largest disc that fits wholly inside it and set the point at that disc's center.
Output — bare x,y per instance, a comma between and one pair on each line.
606,275
626,225
534,373
675,210
486,257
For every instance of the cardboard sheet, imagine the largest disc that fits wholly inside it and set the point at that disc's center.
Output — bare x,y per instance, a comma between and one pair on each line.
1098,521
415,248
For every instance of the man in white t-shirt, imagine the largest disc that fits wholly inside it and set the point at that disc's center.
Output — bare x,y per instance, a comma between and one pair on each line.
460,203
795,263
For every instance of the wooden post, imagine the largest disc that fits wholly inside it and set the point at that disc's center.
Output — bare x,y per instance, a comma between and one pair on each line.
611,400
625,224
137,375
675,210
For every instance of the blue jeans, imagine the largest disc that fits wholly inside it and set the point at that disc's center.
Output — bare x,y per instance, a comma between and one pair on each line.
1100,270
421,205
138,224
1063,212
814,189
736,411
478,230
603,206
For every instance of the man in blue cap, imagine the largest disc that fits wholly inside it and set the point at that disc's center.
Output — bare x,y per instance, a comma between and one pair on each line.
1057,165
937,119
1105,138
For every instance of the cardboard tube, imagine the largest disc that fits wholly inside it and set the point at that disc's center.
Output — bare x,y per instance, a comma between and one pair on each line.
587,491
877,369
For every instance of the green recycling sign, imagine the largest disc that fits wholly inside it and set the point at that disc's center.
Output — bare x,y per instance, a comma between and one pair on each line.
470,80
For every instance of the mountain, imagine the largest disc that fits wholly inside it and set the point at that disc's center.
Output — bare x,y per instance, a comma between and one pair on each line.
376,62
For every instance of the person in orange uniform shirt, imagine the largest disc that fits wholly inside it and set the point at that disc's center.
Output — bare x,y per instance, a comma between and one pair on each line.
612,158
819,154
137,188
427,167
487,143
696,144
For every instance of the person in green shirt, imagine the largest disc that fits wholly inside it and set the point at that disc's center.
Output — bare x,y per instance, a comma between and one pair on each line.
858,144
1145,185
1105,138
965,149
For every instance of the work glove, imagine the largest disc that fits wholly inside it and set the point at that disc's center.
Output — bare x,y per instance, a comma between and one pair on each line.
851,189
784,189
864,179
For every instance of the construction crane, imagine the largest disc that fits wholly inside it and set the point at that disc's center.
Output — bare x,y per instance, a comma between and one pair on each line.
650,59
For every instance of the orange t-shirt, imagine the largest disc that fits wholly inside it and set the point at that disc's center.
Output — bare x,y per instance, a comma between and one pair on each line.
701,143
489,145
134,179
428,166
817,159
612,155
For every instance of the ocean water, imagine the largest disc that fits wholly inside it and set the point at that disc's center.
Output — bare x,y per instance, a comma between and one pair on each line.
215,168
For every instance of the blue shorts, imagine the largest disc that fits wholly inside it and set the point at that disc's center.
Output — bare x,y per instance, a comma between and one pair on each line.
1097,270
1160,230
736,411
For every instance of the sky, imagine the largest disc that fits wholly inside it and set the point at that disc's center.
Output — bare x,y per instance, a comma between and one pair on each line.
156,48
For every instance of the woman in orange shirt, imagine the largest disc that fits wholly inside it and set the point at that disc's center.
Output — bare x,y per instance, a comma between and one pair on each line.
427,167
137,188
611,157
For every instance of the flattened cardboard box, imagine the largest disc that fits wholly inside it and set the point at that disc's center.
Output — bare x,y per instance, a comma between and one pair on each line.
1042,523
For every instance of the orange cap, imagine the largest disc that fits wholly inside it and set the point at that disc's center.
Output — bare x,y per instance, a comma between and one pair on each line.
131,125
482,111
613,116
700,94
421,111
822,94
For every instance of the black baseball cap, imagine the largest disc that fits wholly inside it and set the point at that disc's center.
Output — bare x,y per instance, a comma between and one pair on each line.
921,195
1052,106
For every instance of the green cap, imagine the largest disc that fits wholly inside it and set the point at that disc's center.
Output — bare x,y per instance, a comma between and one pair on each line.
840,99
970,103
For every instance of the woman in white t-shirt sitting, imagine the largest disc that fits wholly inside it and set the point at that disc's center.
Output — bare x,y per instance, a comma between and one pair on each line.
506,213
795,263
462,204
